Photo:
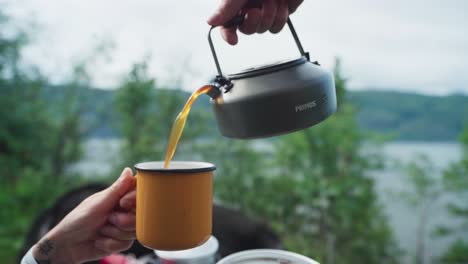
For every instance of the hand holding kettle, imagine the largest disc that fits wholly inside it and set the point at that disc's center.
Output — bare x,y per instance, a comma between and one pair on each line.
260,16
271,99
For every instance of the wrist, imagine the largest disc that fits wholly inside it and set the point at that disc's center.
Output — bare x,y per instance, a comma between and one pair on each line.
51,249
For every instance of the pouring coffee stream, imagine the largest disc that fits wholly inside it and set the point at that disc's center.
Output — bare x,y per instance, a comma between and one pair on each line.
264,101
179,124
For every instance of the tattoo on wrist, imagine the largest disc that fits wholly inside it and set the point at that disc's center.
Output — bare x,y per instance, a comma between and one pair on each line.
45,247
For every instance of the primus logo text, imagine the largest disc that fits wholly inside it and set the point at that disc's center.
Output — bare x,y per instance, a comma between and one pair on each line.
303,107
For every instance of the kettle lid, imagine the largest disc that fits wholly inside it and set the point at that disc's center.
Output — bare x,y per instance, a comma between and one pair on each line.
268,68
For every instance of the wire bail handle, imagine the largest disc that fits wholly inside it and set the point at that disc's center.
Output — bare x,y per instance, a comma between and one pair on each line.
238,20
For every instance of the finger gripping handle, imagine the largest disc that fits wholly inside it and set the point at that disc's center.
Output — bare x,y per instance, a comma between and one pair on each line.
235,22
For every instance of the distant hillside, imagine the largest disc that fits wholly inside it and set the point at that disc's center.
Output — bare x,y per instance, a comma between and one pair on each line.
412,116
404,116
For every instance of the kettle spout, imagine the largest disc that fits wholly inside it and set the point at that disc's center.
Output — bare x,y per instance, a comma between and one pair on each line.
214,92
219,84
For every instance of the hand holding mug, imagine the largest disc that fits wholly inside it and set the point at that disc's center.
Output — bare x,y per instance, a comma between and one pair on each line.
173,212
102,224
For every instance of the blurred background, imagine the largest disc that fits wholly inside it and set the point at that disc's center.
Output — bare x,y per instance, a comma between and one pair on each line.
88,87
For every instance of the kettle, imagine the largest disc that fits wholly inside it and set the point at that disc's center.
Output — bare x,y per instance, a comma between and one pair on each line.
273,99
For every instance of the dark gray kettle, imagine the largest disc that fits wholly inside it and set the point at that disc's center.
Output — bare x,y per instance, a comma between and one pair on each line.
273,99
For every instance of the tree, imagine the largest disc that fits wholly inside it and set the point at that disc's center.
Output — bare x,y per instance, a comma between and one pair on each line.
456,182
424,190
456,253
22,112
23,142
41,131
67,111
135,105
67,121
335,215
239,177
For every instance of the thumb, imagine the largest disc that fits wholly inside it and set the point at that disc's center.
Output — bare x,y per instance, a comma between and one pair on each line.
227,10
124,184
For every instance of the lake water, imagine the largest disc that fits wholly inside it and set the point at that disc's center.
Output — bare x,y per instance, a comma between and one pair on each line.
100,157
404,218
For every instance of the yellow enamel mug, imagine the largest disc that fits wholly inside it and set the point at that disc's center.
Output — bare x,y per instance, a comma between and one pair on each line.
174,205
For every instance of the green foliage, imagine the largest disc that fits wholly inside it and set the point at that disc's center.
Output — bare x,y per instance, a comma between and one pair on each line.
424,188
135,105
333,190
33,191
456,176
456,182
22,144
457,253
23,134
239,173
37,142
67,119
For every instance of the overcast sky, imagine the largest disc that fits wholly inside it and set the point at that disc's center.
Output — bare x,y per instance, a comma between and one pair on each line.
417,45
